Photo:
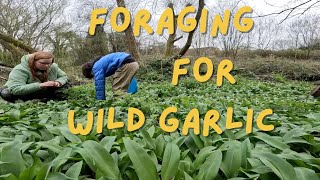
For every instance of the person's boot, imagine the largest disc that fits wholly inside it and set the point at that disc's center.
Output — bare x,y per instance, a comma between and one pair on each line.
6,95
315,92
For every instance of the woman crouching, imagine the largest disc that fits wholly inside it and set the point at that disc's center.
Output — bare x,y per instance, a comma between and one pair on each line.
36,77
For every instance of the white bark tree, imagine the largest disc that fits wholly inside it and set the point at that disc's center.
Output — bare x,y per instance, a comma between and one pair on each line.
265,32
305,32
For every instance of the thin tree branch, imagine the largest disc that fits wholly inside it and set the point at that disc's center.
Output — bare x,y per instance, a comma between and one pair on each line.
285,10
178,39
290,10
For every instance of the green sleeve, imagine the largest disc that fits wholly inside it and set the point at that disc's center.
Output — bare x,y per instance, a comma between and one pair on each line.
62,77
17,83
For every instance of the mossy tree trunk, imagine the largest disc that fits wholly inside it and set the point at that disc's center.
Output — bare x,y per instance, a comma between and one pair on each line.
131,41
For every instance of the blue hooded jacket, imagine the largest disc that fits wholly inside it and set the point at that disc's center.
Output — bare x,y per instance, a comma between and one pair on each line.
107,66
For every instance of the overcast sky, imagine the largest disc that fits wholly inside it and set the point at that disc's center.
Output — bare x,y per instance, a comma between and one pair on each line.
261,7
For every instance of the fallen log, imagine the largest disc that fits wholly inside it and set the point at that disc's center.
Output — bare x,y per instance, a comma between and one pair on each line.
16,43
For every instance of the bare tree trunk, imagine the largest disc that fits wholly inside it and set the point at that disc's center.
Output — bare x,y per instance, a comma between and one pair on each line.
190,36
308,52
16,43
113,46
132,44
171,39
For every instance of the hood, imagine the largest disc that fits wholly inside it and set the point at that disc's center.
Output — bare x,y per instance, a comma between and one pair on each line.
25,60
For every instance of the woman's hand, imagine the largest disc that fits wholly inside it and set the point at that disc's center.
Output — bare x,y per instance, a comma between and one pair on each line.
50,84
57,84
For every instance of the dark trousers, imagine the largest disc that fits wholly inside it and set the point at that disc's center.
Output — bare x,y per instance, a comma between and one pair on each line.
44,95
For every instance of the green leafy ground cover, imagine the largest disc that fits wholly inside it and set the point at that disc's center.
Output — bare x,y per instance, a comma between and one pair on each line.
35,142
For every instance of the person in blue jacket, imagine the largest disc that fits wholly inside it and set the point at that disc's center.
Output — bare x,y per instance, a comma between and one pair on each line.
122,66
